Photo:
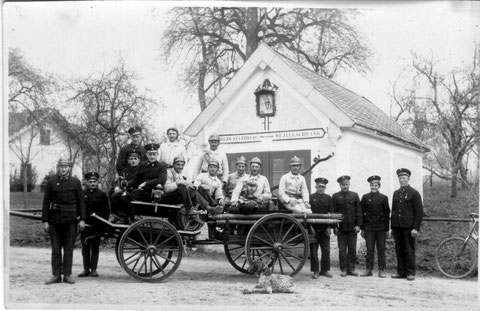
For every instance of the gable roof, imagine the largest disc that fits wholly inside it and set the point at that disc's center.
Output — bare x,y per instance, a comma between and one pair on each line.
364,115
18,122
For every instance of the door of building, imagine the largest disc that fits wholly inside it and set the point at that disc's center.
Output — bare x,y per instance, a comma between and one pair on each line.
275,163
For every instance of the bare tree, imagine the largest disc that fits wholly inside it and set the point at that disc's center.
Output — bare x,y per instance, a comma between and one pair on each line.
28,89
217,41
442,108
111,103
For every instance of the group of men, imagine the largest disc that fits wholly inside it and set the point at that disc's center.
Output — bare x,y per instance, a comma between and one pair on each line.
156,171
371,216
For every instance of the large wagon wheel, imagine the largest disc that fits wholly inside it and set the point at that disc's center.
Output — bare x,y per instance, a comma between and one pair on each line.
150,250
236,256
280,242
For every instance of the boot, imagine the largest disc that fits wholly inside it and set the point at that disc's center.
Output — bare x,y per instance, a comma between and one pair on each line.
54,279
382,274
367,273
84,273
68,279
94,273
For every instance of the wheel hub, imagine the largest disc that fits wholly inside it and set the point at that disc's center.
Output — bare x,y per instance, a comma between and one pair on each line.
151,250
277,247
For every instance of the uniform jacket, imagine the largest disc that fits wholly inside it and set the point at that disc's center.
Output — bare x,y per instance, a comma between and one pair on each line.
292,186
209,155
67,194
129,172
376,212
263,187
172,178
321,204
122,160
348,204
407,208
153,173
213,184
96,201
168,151
232,182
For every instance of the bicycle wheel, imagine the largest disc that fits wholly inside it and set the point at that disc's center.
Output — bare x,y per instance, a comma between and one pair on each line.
456,258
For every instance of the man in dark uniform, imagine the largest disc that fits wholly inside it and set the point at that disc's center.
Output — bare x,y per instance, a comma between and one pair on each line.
120,194
96,201
321,203
135,144
347,203
407,214
151,174
63,203
376,215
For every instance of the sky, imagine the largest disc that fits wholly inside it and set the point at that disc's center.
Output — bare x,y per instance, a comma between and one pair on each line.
76,38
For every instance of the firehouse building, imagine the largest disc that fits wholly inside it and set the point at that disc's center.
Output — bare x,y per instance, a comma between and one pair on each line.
275,109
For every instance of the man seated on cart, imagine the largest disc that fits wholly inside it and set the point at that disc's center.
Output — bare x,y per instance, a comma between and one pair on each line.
234,177
120,190
209,186
150,175
252,191
179,190
292,189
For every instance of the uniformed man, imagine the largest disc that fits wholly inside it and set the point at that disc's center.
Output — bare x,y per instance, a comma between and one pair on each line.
96,201
407,214
292,189
121,194
179,189
172,148
261,194
127,173
63,204
151,174
321,203
209,187
234,177
213,153
376,215
136,139
347,203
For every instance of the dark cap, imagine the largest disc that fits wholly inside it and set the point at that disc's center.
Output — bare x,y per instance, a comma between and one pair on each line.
321,181
403,171
134,129
92,175
152,147
343,178
374,178
134,153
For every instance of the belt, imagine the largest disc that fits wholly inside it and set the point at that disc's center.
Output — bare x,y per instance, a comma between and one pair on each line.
64,208
294,195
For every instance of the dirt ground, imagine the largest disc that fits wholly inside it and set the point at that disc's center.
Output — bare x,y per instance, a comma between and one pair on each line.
207,281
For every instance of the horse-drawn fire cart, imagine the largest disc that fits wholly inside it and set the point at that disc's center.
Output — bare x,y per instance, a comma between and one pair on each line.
151,248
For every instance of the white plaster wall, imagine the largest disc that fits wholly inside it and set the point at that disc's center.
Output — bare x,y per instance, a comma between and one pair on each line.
44,158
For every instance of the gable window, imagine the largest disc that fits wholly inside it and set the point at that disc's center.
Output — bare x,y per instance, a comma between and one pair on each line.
45,136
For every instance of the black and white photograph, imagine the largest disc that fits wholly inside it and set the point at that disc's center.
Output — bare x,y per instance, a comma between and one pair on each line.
230,155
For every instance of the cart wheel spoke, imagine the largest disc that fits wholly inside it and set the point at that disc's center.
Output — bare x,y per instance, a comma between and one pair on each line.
135,243
141,234
294,238
268,243
292,255
286,233
287,261
273,241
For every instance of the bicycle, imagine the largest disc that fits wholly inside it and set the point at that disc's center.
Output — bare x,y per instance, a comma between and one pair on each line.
456,257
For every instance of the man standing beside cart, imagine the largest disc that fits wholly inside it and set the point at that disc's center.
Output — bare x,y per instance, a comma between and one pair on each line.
135,144
347,203
321,204
407,214
96,201
63,204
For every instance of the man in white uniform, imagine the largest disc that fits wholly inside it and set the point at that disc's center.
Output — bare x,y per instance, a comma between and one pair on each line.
172,148
292,189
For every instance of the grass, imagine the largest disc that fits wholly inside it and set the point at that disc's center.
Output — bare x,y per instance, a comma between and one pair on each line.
437,201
